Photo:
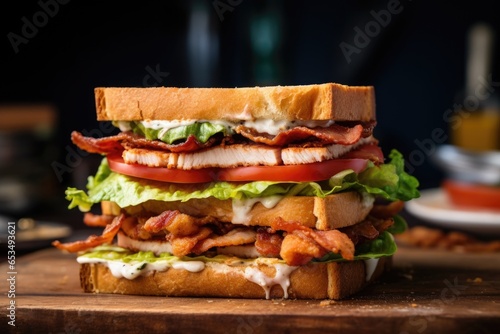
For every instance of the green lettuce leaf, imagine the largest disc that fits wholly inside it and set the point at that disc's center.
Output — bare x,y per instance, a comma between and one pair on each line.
391,179
202,131
388,181
399,225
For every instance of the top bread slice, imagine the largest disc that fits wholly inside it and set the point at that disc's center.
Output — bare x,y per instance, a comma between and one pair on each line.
329,101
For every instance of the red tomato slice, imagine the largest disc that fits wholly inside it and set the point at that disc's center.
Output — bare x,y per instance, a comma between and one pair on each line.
296,173
316,171
469,195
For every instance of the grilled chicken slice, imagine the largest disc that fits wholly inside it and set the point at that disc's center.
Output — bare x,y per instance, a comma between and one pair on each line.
220,156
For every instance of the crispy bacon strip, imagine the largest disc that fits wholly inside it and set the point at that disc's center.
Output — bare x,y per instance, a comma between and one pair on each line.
93,220
382,224
361,231
312,244
187,234
335,134
297,250
268,243
238,236
158,223
182,246
387,210
335,241
133,227
189,145
176,223
98,145
123,140
370,152
368,229
367,126
93,241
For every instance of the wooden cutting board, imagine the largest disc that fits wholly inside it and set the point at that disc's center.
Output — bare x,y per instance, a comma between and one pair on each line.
426,292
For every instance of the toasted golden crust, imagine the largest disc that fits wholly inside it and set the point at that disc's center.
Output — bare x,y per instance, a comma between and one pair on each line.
306,102
335,280
333,211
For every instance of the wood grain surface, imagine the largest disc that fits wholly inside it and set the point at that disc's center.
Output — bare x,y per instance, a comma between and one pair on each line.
426,292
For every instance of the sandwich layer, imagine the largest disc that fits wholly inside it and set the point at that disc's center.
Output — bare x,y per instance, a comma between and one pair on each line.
239,155
328,101
330,212
333,280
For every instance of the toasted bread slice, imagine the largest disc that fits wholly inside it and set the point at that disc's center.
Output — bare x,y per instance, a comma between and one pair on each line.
329,101
334,280
331,212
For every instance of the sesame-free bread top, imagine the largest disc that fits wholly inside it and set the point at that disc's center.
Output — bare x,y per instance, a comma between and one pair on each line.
305,102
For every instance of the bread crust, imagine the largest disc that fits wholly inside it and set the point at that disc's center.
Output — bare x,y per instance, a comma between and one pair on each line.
331,212
305,102
334,280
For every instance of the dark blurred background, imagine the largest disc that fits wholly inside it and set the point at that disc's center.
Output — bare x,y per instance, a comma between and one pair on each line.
55,52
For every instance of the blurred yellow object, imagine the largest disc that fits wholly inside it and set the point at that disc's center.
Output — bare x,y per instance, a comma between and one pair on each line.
478,131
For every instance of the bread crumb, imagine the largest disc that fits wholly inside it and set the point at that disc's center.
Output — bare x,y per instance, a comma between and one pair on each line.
413,305
475,280
326,302
210,301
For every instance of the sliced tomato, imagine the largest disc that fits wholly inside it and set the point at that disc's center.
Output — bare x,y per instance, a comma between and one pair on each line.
297,173
316,171
470,195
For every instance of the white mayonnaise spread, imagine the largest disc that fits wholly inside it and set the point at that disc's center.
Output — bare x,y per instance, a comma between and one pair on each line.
123,125
241,208
191,266
270,126
282,278
370,266
131,270
367,200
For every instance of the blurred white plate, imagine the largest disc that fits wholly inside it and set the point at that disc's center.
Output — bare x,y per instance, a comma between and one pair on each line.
434,207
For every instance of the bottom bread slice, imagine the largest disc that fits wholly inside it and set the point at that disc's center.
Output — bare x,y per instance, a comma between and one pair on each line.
333,280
